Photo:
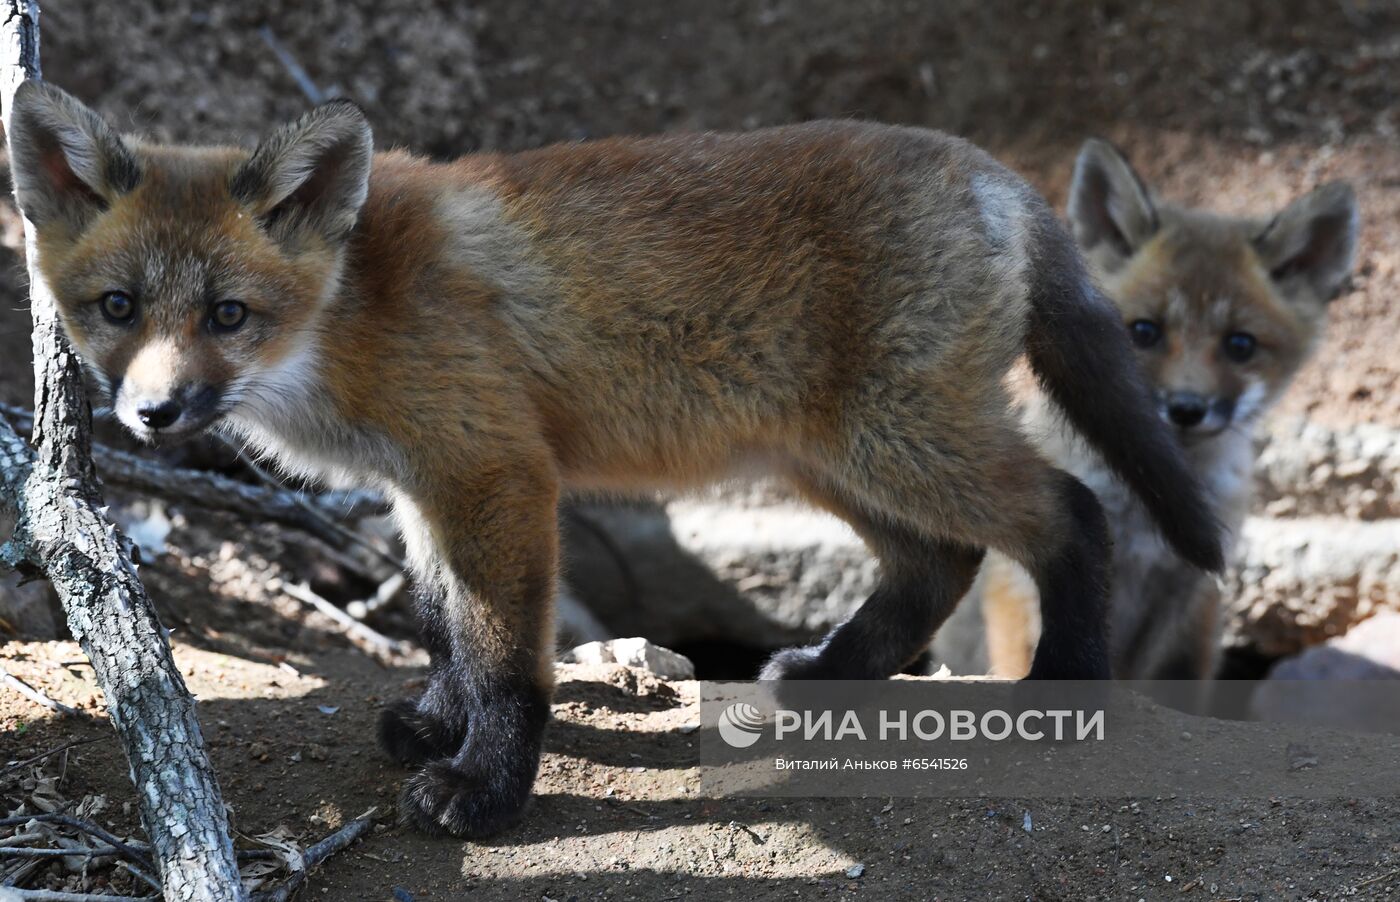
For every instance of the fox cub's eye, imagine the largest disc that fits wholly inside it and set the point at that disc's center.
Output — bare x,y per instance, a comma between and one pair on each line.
227,316
118,307
1145,332
1239,346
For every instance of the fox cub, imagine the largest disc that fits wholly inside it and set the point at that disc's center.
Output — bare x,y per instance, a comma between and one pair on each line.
1222,312
834,302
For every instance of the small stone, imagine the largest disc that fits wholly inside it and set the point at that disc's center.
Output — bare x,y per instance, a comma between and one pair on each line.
855,871
1300,757
635,652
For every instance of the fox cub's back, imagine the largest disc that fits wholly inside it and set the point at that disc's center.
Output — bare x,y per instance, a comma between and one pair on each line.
725,285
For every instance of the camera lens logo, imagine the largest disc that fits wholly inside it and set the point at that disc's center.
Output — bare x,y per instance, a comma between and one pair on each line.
740,725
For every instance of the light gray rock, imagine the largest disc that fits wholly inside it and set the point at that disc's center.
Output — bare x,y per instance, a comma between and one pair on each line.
1298,583
634,652
1304,469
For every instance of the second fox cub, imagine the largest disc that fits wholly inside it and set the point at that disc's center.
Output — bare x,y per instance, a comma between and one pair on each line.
837,302
1223,312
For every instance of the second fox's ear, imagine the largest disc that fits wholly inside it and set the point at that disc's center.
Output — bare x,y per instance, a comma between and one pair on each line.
312,174
1313,239
1109,207
69,165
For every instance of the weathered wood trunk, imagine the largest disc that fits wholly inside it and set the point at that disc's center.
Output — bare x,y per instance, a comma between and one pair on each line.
63,532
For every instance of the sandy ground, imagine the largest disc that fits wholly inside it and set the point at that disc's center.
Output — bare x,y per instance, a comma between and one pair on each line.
618,813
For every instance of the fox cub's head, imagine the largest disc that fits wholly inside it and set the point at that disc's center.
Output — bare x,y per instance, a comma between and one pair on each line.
190,279
1223,311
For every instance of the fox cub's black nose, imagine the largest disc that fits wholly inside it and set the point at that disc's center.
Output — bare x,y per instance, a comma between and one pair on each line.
1186,409
159,416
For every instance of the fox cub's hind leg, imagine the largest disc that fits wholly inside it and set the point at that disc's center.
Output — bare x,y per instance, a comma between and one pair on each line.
1071,571
486,555
978,486
921,580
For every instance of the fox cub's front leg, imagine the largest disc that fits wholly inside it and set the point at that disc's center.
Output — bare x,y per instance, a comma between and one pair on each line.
485,552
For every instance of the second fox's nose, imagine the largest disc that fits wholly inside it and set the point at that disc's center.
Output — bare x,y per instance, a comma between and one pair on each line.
1186,409
159,416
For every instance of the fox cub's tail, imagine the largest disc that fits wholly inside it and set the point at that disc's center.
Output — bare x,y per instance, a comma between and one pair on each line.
1080,352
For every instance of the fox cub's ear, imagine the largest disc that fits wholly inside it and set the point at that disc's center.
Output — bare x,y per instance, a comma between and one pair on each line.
1313,239
312,174
68,164
1109,207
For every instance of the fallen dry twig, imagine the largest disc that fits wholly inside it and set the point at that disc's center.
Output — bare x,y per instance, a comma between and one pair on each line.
42,852
294,69
336,842
364,637
34,695
97,832
49,754
1377,879
385,595
47,895
313,511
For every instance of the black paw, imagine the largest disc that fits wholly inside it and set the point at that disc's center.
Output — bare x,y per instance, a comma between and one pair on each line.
411,737
1083,662
446,799
1063,664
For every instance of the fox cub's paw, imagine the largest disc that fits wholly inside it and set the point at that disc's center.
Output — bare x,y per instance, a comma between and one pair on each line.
1074,670
1072,658
795,664
448,798
481,787
411,737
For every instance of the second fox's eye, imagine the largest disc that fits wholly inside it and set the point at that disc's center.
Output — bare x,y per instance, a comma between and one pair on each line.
1145,333
227,316
1239,346
118,307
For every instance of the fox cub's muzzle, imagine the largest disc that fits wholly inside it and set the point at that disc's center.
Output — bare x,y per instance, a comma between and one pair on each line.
1196,416
178,411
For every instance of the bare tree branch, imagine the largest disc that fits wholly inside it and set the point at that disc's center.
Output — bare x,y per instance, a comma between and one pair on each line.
364,637
318,853
315,514
34,695
45,895
54,493
84,826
